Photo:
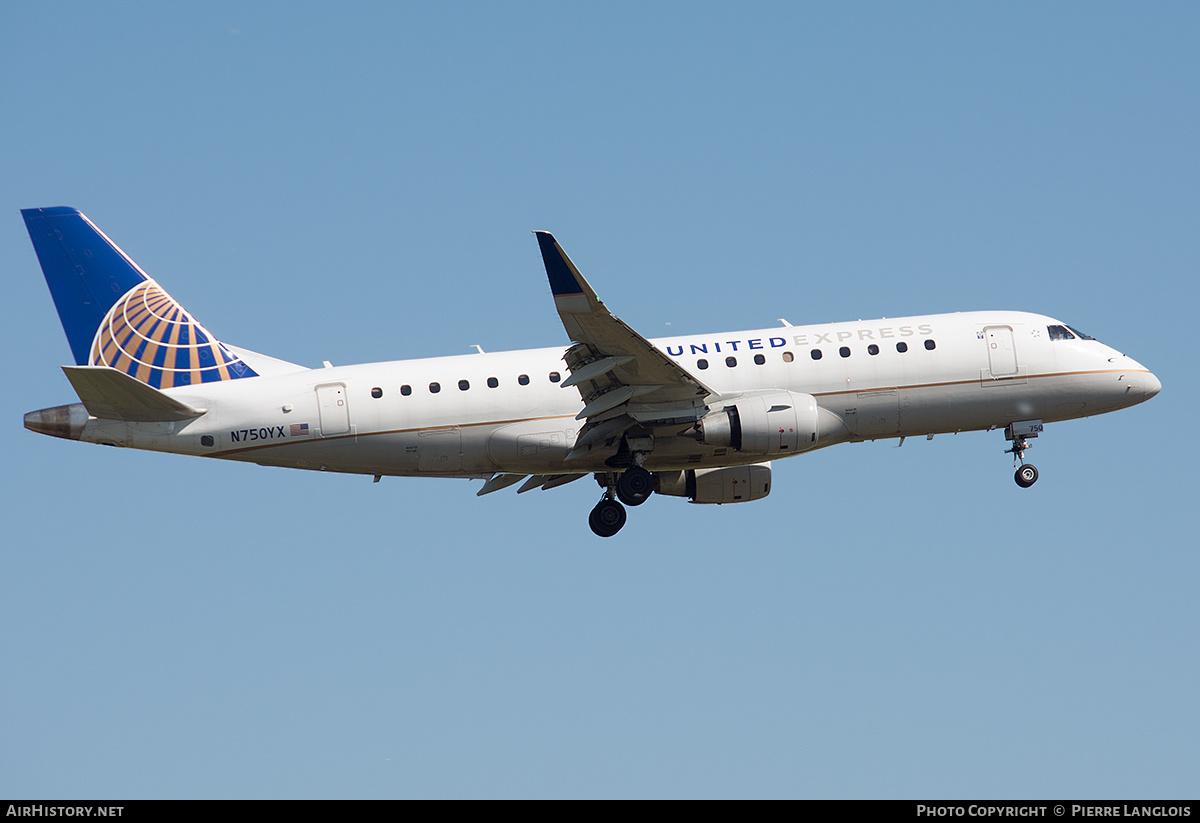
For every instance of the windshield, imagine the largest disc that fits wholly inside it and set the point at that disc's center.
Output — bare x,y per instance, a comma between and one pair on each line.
1067,333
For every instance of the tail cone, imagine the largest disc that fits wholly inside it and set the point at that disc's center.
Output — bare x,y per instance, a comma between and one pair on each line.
60,421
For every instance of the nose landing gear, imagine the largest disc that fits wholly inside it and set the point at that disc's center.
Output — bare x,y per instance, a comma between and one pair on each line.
1026,475
1019,433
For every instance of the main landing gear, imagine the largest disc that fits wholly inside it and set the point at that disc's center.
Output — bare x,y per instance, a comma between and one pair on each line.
607,518
1020,433
633,487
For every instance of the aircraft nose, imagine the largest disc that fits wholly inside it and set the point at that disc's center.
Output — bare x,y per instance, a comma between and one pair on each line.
1135,382
1151,385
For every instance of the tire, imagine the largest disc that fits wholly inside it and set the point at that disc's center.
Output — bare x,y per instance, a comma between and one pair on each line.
634,486
1026,476
607,518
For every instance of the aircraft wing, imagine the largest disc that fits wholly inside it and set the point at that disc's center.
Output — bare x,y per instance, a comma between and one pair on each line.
622,378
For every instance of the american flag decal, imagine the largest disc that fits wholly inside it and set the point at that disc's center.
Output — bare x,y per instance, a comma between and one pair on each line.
299,429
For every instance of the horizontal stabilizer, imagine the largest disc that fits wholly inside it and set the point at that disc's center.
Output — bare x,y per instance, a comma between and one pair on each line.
113,395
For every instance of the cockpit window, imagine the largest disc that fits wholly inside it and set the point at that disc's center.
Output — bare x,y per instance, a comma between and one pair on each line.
1059,333
1080,334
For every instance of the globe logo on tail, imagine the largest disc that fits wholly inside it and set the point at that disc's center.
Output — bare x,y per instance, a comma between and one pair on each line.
152,338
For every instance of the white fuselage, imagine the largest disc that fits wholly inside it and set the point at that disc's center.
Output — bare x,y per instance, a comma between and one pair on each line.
959,372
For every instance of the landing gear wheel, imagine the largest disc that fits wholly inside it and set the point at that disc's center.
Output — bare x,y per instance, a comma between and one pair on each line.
634,486
1026,476
607,518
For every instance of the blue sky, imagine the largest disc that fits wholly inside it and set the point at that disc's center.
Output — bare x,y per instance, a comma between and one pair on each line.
358,182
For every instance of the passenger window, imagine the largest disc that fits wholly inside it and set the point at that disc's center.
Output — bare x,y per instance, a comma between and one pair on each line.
523,379
406,390
902,347
731,362
929,344
493,382
555,377
434,388
816,354
463,385
759,360
788,357
872,349
702,364
844,351
377,392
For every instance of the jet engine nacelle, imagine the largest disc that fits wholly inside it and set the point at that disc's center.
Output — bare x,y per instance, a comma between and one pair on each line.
734,484
778,423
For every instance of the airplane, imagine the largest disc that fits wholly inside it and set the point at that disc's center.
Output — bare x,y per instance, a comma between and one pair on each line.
699,416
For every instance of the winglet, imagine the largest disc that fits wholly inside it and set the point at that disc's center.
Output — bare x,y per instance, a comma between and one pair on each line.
565,279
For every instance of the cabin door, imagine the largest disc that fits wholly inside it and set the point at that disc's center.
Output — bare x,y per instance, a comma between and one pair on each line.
335,413
1002,354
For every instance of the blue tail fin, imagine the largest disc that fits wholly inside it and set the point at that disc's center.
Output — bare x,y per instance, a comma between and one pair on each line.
115,315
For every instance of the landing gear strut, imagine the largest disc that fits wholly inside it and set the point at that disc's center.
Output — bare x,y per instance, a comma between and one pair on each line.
1019,433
